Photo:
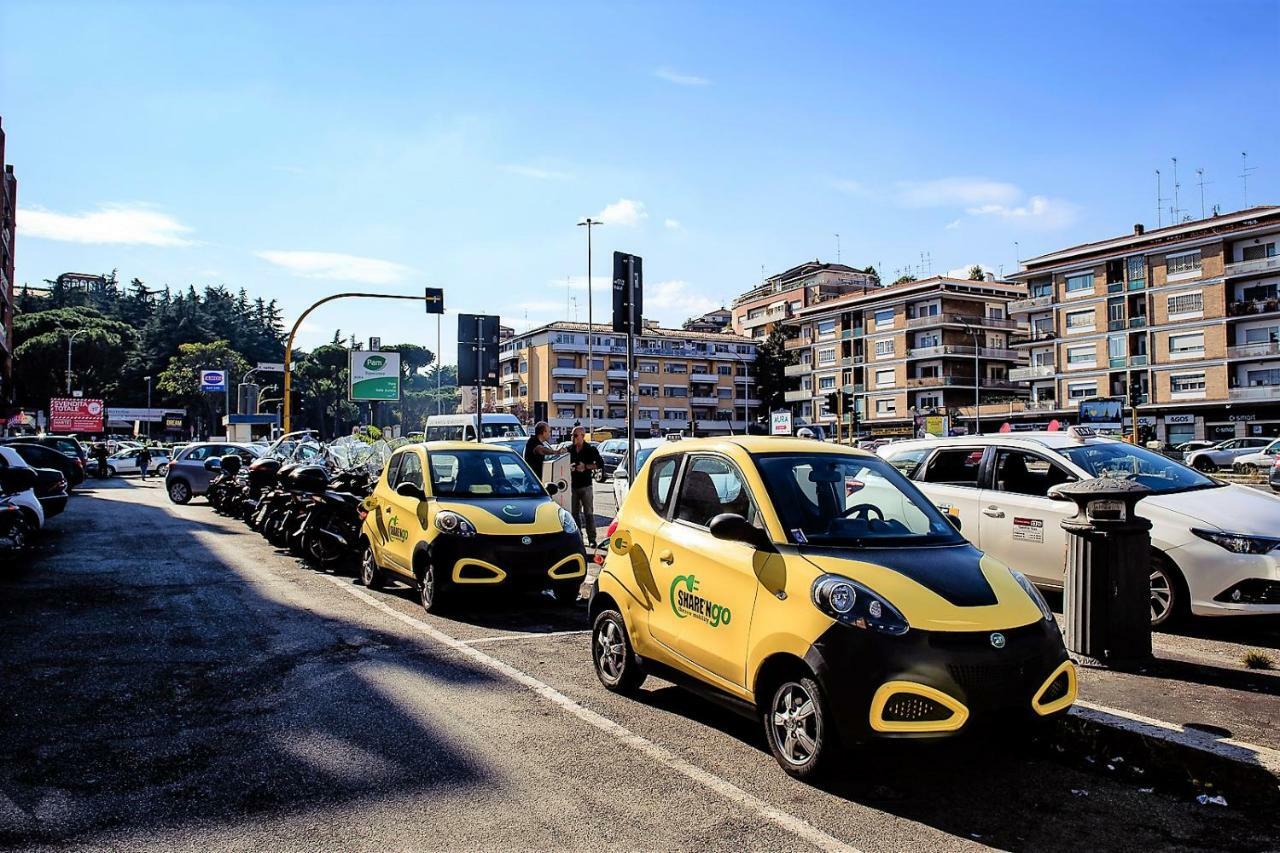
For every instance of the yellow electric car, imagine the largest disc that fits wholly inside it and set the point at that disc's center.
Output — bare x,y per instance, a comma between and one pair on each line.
452,514
813,586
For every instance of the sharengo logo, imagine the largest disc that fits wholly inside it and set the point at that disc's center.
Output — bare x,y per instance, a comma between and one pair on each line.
375,362
395,531
685,603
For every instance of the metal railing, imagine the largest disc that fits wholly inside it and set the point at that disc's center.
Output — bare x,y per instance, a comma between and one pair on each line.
1258,265
1258,350
1032,304
1038,371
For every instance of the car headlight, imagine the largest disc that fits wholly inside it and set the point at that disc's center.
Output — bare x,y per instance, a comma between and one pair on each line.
853,604
1030,589
454,524
1239,543
567,522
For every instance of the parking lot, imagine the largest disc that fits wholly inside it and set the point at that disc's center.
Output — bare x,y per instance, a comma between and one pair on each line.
172,680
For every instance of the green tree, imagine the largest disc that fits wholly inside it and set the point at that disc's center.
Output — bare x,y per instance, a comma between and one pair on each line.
180,380
40,353
904,278
976,273
771,383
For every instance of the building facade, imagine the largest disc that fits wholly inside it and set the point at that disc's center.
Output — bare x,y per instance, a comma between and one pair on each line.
685,380
1187,316
8,220
913,349
764,308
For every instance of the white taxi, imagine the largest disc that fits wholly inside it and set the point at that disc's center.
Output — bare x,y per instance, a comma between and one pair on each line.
1215,546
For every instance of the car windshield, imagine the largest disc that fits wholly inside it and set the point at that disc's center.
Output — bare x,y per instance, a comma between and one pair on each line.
843,500
461,474
1126,461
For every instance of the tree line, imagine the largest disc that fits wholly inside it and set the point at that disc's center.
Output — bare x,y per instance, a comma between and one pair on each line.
125,333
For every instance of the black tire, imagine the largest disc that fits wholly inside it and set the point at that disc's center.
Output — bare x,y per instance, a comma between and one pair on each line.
179,492
799,727
371,575
616,663
111,472
1204,465
430,589
1170,600
1248,469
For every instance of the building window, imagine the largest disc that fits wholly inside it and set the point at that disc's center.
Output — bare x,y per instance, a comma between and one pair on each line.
1082,356
1264,335
926,309
648,367
1190,384
1187,263
675,414
1137,268
647,414
1080,282
884,318
1268,376
724,393
1043,287
675,391
826,328
888,406
928,339
884,378
1186,346
826,356
826,383
677,367
884,348
1081,390
1080,321
1186,304
724,369
1117,349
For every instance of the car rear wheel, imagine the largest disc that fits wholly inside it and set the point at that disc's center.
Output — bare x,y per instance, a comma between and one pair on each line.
1248,469
796,724
179,492
1169,603
370,574
616,664
1203,464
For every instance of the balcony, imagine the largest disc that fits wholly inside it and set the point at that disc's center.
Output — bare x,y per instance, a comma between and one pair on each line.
569,372
704,377
1255,267
619,374
1137,284
851,332
747,380
851,360
798,396
948,349
797,343
1243,308
568,397
1258,350
560,346
1035,303
857,388
1255,392
950,319
1039,371
1137,322
790,370
704,401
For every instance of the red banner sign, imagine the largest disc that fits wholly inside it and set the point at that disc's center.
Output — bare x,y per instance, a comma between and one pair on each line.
76,414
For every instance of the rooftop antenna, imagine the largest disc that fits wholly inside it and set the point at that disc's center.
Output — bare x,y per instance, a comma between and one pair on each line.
1159,201
837,248
1017,252
1201,181
1175,210
1245,171
574,300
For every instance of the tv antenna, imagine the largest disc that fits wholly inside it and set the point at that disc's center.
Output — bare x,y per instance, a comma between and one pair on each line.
1245,171
837,248
1160,200
1201,182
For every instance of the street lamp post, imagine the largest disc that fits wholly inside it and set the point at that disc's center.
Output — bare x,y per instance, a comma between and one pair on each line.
71,337
977,376
590,223
147,420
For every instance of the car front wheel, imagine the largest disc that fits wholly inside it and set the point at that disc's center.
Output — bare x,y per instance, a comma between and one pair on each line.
1203,464
179,492
796,724
370,574
1168,594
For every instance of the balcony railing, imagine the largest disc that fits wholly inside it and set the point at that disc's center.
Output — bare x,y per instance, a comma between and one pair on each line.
1244,307
705,401
851,332
1258,350
703,377
798,396
795,369
569,371
1255,392
856,388
948,318
851,360
1039,371
1260,265
1137,322
1032,336
949,349
797,343
1034,303
568,397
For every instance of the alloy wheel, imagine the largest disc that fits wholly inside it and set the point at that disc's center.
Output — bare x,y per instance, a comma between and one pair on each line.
179,492
1161,596
611,651
427,587
368,568
795,723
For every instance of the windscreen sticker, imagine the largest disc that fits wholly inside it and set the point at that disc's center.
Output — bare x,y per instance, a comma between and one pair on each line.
1028,529
798,535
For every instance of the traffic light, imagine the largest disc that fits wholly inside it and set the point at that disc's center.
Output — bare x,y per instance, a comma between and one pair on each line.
833,402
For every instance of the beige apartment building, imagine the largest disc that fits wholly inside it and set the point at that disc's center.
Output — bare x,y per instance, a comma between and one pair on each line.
763,308
685,380
1187,315
907,350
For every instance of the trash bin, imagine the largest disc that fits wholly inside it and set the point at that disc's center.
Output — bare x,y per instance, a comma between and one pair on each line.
1108,583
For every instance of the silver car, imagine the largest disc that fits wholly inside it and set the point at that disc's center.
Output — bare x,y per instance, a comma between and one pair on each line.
187,476
1222,455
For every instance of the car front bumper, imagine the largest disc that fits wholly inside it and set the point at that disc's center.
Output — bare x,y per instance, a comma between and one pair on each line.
1213,574
533,561
936,683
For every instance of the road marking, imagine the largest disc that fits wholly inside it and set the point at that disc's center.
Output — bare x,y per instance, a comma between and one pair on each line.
787,821
531,635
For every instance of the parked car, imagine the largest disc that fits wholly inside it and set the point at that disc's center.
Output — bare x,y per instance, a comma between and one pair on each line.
65,445
644,447
42,456
25,500
51,491
1275,476
813,587
1223,454
1180,451
1251,463
611,452
1214,544
186,475
126,461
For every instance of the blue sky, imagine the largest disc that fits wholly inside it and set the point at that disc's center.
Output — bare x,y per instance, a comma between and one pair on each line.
301,149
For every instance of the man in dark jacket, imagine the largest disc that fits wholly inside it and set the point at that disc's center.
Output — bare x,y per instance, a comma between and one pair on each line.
144,460
584,461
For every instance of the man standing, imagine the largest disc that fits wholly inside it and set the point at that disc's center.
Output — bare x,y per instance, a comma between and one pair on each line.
584,460
144,460
536,449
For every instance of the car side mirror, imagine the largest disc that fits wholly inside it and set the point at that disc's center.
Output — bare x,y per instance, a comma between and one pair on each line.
213,464
409,490
552,489
1056,493
620,474
731,527
955,521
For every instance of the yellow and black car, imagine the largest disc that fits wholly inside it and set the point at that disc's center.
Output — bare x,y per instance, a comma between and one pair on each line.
814,587
450,514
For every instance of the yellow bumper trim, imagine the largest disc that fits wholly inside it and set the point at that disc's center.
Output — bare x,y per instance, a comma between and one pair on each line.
572,566
959,713
498,574
1058,704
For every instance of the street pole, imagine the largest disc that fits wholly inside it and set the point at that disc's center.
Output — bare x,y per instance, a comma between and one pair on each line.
479,379
590,223
70,338
631,357
439,366
148,419
977,377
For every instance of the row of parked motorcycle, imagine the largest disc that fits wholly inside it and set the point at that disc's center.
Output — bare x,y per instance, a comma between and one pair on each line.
302,495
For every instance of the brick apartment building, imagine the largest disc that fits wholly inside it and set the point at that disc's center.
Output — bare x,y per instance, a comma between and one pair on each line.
762,308
1187,315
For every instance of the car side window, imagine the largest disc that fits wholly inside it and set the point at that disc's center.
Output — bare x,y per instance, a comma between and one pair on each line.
410,470
1021,473
908,461
712,486
393,468
661,478
955,467
198,454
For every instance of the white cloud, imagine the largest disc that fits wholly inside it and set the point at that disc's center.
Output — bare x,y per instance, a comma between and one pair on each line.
680,79
676,299
956,192
963,272
333,265
673,224
851,187
624,212
953,224
126,224
1040,211
534,172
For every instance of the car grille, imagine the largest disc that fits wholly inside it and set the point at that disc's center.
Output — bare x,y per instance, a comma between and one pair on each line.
910,708
995,683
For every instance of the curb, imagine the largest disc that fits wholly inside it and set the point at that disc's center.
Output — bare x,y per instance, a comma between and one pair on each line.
1155,752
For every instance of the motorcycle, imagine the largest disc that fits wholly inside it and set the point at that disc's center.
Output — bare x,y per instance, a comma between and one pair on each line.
329,533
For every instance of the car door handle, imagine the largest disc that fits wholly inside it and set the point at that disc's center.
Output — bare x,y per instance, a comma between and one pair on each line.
667,557
993,512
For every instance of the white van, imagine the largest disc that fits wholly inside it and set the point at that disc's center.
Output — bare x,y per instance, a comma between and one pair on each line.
496,426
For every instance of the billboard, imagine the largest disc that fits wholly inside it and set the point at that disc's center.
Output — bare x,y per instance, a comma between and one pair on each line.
374,376
1105,414
213,380
75,414
780,423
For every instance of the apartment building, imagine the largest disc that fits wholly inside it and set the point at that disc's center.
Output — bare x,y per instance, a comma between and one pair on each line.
685,380
916,348
763,308
1187,315
8,219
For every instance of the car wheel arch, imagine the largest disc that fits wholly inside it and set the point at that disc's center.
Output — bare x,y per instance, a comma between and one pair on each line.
601,602
421,559
773,670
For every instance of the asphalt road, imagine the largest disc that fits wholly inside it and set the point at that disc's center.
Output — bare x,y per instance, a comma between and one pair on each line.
171,681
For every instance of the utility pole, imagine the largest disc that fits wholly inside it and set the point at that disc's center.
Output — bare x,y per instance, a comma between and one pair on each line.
590,223
148,418
70,338
977,377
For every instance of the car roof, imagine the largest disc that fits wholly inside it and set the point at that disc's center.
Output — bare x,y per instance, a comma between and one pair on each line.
759,444
464,445
1029,438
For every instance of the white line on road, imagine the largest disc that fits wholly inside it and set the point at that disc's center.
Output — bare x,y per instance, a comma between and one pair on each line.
529,635
660,754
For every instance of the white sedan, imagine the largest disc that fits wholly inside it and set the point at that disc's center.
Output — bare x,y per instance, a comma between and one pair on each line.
644,448
126,461
27,501
1263,460
1215,546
